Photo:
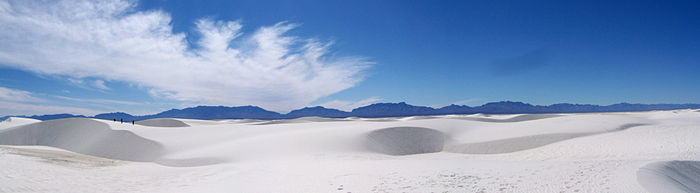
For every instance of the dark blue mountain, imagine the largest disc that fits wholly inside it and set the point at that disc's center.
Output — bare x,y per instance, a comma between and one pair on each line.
54,116
117,116
375,110
392,110
620,107
317,111
574,108
219,112
509,107
455,109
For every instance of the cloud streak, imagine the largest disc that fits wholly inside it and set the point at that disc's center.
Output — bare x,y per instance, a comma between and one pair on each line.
20,102
8,94
15,108
99,101
109,40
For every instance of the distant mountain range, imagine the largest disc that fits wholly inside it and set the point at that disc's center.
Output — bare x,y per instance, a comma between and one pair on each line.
373,111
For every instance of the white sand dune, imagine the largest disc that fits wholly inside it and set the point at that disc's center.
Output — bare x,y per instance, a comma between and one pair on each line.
162,122
518,118
671,176
594,152
387,119
417,118
512,144
84,136
300,120
59,156
16,121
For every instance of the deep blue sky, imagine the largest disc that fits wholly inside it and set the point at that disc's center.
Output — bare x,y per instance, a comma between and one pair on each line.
468,52
436,53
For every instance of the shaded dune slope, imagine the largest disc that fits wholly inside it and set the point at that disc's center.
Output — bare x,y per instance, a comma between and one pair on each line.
524,143
405,140
417,140
84,136
670,176
512,144
162,122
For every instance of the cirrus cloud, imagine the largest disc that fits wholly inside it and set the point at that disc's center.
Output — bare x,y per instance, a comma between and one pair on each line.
110,40
8,94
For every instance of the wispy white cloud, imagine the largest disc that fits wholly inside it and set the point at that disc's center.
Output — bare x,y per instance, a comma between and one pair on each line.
99,101
349,105
76,81
100,84
97,84
8,94
110,40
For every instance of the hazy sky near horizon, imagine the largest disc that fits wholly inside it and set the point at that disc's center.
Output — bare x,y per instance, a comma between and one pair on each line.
139,57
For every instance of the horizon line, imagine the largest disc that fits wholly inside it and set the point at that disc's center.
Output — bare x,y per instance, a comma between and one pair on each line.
403,102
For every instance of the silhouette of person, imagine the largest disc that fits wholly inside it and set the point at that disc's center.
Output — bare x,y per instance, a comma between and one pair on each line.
132,122
115,120
121,120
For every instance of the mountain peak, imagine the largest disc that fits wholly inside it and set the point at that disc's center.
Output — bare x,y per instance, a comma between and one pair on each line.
317,111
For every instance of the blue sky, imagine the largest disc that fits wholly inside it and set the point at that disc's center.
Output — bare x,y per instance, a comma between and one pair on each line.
147,56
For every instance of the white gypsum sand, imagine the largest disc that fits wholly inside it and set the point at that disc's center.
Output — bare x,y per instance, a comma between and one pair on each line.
162,122
16,121
671,176
595,152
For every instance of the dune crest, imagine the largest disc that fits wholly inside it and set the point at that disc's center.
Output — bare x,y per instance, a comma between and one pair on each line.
16,121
